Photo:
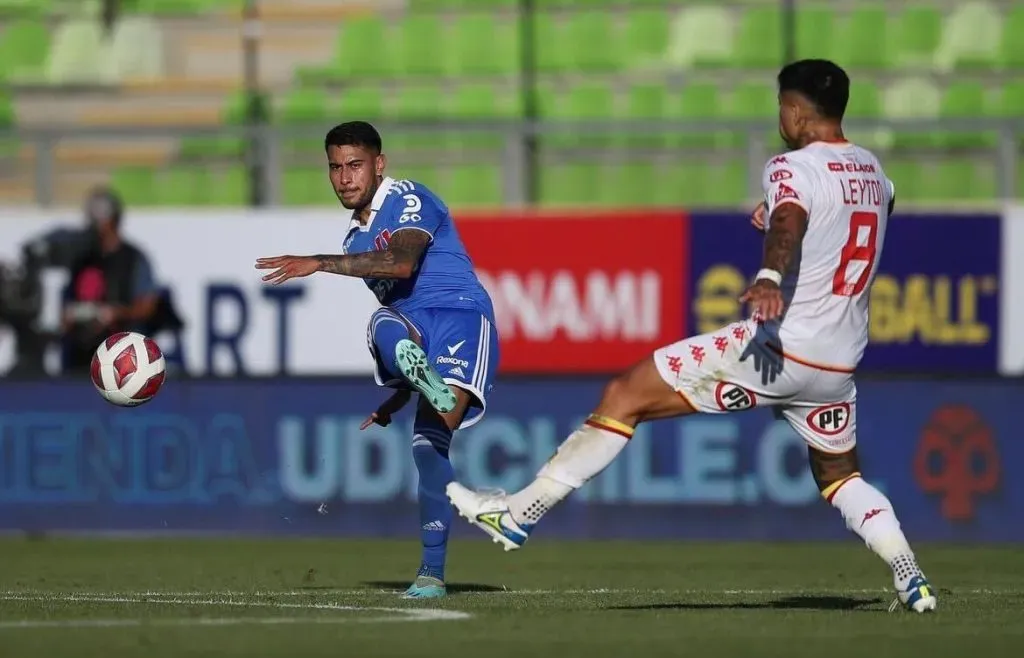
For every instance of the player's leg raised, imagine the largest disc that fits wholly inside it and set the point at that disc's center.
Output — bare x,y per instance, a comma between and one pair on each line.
641,393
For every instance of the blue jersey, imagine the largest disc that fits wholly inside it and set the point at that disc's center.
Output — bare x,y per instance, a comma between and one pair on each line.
444,277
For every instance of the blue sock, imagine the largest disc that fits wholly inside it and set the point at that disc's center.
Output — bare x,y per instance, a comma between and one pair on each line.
431,439
386,329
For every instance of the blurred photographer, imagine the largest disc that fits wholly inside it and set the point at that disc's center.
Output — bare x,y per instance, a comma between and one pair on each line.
111,287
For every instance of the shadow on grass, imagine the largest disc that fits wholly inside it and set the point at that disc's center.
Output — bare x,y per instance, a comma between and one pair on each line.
787,603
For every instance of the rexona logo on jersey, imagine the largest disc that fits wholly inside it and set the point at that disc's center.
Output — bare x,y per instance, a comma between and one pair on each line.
590,293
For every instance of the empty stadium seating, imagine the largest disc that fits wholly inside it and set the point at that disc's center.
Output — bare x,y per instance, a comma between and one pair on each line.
178,62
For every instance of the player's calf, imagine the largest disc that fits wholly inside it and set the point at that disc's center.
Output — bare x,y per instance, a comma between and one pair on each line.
869,513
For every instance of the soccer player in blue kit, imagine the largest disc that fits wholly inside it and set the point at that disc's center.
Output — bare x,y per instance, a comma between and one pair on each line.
434,333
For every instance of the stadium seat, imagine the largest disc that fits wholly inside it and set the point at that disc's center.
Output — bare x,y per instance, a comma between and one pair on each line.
916,36
78,54
571,184
474,185
23,49
419,56
306,186
701,36
865,103
644,101
971,35
358,53
302,109
755,101
483,44
912,98
360,103
964,100
700,102
814,36
863,42
482,102
625,178
136,50
182,186
646,38
419,104
136,185
1011,52
592,43
906,177
759,43
229,187
22,9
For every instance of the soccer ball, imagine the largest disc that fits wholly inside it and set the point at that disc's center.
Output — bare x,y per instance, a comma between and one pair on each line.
127,369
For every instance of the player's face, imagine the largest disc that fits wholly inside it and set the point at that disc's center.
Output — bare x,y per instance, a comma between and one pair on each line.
354,173
792,110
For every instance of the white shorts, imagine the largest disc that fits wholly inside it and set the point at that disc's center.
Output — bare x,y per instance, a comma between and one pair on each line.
735,369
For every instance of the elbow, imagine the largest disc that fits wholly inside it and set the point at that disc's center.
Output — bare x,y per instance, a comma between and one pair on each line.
404,270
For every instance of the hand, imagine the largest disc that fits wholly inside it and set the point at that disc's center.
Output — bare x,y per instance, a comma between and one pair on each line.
379,417
765,299
287,267
757,217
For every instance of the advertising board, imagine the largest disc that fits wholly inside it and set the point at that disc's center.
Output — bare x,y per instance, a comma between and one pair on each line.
286,457
935,302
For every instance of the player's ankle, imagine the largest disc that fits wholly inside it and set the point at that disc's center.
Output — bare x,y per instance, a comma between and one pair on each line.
537,499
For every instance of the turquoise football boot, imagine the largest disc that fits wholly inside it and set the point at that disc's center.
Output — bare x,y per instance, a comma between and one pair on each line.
426,586
413,363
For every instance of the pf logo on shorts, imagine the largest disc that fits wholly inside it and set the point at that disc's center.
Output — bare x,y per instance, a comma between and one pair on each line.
829,420
731,397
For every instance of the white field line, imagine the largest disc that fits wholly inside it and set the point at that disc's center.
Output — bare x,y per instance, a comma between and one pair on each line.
389,614
320,594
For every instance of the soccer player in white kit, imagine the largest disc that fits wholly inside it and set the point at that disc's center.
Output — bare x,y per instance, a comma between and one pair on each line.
827,203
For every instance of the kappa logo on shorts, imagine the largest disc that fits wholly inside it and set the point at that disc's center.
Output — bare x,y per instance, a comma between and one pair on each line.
731,397
829,420
675,364
721,344
697,353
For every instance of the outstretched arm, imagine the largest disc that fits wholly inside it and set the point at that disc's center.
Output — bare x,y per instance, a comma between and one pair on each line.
398,261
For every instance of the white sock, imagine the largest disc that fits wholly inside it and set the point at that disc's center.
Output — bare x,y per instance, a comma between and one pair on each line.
586,452
870,514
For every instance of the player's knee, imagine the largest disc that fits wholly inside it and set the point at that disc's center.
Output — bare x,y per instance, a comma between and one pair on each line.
830,468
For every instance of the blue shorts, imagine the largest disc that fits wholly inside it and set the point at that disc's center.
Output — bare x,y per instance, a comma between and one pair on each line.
462,345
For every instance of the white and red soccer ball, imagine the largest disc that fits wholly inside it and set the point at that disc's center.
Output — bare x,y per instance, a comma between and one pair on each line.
128,369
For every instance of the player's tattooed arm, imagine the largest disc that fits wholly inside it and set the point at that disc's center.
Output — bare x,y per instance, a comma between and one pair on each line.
398,261
786,229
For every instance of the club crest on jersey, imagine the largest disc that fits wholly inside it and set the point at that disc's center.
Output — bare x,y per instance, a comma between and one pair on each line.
731,397
785,192
780,174
829,420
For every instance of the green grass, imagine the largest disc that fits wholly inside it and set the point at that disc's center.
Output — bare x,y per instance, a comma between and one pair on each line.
174,598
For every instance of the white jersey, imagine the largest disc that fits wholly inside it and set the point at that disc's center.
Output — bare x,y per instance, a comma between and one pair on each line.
847,198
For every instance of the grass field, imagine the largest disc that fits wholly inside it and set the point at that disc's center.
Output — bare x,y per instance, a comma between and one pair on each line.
303,599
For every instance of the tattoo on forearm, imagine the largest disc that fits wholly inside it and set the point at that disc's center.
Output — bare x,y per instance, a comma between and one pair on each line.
398,261
785,231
